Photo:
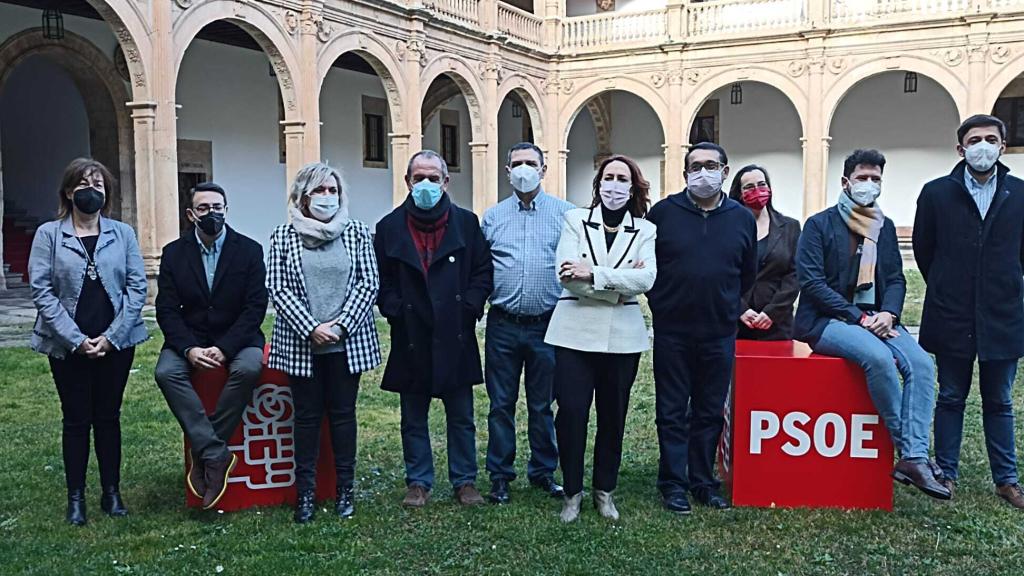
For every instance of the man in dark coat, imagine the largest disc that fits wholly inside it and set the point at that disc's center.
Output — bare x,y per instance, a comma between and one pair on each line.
435,276
969,245
707,259
851,297
211,303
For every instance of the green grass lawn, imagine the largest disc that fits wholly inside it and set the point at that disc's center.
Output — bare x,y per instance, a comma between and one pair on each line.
975,535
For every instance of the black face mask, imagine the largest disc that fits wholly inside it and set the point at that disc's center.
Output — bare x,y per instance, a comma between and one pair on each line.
88,200
211,223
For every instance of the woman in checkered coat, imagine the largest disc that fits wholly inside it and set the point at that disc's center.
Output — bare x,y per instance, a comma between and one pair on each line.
322,278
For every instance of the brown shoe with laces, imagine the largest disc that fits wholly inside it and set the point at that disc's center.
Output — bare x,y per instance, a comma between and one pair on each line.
468,495
1012,493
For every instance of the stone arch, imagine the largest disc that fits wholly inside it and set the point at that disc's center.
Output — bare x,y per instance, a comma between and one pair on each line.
381,58
954,86
104,93
530,95
585,93
1009,71
710,84
466,79
259,23
132,31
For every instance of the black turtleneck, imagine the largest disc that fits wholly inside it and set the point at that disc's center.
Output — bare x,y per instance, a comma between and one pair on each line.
612,218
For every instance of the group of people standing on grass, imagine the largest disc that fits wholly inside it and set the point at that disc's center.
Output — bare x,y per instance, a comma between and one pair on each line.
563,284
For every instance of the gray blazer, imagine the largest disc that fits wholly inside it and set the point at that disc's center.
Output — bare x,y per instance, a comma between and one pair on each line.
56,268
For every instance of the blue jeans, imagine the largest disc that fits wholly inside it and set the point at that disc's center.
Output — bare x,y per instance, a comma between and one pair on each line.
419,458
509,349
996,383
907,414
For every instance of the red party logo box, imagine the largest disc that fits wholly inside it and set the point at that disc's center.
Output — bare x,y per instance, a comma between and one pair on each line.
802,431
263,443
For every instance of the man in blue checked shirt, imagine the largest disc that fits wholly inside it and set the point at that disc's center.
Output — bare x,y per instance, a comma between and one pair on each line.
523,232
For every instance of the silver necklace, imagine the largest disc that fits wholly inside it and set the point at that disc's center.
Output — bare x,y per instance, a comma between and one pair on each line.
90,266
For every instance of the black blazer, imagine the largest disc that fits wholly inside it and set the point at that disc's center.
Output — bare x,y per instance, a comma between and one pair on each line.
823,269
433,323
230,316
776,287
973,268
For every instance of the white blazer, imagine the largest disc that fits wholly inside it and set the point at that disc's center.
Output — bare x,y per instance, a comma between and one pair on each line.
604,316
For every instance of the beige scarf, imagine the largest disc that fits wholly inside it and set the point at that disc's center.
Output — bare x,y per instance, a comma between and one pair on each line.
315,233
864,221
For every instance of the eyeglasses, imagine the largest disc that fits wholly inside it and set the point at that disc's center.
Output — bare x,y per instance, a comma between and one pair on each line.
324,190
204,209
710,166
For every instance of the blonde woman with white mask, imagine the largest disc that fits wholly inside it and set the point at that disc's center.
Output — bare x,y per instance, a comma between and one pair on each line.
322,278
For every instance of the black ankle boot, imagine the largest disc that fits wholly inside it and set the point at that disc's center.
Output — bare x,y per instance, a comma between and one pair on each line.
344,506
111,503
76,507
305,505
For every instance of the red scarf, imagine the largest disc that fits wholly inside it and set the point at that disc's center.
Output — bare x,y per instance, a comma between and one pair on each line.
427,236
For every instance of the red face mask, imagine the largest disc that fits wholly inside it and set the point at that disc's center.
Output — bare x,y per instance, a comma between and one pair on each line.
756,198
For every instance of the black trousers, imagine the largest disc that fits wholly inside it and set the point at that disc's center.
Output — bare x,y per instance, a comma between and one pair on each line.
332,389
580,377
90,393
694,375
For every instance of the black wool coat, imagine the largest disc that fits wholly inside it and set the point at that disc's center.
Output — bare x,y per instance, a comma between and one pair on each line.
974,304
433,317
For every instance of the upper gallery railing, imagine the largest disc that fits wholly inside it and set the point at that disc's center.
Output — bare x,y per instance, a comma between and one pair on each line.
520,25
744,16
613,28
691,21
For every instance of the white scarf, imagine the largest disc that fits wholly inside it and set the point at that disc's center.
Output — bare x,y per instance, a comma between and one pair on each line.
315,233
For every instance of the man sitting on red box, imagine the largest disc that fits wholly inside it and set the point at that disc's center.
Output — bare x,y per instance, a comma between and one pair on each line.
211,302
852,289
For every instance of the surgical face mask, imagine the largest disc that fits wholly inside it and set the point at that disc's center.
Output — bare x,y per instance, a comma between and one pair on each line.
704,184
756,198
425,194
524,178
88,200
614,194
323,207
982,156
864,193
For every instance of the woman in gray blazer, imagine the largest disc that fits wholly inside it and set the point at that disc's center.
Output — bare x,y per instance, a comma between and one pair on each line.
89,286
606,259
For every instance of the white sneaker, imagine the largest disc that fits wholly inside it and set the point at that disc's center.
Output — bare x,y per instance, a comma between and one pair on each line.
605,504
571,508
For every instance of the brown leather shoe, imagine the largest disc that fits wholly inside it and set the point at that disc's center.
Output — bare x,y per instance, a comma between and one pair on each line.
1012,493
195,478
950,485
918,472
946,482
416,496
468,495
217,474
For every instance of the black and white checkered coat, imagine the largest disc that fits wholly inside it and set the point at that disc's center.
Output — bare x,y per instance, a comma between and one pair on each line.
290,349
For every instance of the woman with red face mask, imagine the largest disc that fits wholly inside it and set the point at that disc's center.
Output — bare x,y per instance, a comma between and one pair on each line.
768,306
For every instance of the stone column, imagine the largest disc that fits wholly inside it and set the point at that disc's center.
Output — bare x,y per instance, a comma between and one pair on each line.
480,185
676,135
489,107
294,145
400,153
563,160
678,20
815,141
554,179
977,52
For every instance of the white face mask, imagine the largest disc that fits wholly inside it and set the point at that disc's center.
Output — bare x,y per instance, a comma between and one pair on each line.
524,178
614,194
865,193
982,156
704,184
323,207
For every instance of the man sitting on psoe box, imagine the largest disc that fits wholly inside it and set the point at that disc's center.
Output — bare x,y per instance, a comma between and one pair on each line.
852,289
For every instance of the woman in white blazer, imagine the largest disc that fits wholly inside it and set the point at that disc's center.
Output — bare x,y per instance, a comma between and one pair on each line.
606,259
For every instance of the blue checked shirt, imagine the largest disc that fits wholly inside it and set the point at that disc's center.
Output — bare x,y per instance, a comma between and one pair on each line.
982,193
210,256
523,240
